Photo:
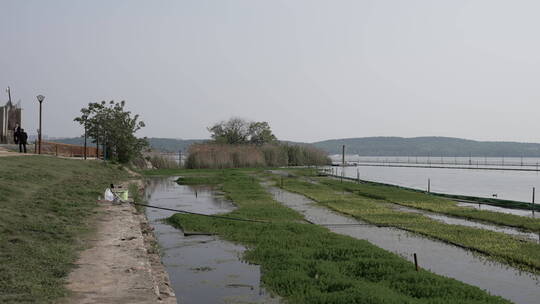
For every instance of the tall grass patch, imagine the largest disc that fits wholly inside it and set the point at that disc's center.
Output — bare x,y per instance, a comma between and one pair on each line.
243,156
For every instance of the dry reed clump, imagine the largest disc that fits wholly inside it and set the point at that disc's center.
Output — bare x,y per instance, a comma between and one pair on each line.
221,156
162,162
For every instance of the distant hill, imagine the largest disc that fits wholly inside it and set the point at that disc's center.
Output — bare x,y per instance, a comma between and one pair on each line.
381,146
160,144
425,146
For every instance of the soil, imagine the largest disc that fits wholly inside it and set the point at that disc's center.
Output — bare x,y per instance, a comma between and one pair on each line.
121,263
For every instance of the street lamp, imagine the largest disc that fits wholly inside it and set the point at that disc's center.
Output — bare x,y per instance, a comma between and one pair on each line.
40,99
85,118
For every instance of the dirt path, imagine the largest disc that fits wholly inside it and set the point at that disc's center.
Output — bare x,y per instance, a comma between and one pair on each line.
121,264
6,152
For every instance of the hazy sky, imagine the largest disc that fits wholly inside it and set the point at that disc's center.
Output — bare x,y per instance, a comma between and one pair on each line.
313,69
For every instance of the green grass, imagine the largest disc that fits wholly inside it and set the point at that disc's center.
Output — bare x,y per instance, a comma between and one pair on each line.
306,263
370,206
44,206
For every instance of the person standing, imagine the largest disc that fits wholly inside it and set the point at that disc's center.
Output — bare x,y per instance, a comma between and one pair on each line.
23,140
16,133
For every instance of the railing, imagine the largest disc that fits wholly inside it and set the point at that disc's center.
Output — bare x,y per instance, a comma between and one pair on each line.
59,149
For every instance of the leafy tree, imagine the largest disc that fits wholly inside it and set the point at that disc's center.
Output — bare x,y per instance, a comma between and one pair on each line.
237,131
260,133
114,127
233,131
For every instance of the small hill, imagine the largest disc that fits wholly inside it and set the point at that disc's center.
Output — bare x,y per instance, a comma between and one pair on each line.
425,146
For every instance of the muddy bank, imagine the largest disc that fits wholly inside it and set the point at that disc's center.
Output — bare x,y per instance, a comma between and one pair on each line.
120,264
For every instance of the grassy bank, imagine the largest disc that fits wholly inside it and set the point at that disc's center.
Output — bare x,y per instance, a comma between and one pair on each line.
370,206
308,264
44,203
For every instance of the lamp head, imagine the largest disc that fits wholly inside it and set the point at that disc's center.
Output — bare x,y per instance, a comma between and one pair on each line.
40,98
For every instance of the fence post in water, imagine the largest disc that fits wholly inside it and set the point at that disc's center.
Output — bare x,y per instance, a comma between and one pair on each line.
415,262
428,185
56,149
343,155
532,205
358,175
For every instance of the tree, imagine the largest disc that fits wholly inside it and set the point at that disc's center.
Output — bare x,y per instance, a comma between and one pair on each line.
260,133
115,128
237,131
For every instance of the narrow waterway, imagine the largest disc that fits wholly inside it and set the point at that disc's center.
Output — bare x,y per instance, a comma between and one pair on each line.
202,269
519,212
438,257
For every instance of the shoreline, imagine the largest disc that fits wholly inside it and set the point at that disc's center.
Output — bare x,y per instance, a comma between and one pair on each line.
121,263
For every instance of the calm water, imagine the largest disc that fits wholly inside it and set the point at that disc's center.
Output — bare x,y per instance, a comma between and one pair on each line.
511,185
202,269
438,257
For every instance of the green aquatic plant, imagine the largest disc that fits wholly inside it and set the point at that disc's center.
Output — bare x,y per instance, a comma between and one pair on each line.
306,263
500,246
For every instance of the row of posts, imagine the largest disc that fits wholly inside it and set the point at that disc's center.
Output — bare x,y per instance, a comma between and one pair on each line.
428,184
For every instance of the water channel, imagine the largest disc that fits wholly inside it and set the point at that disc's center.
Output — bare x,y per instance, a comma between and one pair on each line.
202,269
438,257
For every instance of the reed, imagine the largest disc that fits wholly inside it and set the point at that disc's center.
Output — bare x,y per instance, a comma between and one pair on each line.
220,156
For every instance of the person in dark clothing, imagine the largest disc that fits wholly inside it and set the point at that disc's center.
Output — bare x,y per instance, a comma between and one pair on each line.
23,140
16,133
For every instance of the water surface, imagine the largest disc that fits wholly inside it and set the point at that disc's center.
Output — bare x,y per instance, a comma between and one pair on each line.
509,185
202,269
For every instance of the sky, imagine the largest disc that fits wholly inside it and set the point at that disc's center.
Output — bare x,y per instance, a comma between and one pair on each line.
312,69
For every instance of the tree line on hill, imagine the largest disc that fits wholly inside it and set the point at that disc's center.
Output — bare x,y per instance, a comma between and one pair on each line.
429,146
379,146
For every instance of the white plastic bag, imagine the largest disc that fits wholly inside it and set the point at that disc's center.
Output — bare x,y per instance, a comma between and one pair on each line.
109,196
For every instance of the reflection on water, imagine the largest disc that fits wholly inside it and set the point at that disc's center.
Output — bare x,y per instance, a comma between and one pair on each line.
202,269
438,257
510,185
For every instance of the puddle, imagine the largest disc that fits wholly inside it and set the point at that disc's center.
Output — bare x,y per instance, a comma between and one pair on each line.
202,269
519,212
529,236
438,257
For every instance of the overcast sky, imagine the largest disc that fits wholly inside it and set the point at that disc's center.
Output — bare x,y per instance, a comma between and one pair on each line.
313,69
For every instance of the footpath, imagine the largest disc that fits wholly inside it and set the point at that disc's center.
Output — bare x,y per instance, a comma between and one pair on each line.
121,263
5,152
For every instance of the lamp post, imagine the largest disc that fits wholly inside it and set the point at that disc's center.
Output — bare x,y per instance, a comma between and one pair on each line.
85,128
40,99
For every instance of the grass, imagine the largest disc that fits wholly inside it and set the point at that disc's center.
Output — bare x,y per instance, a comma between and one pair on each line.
309,264
45,203
425,201
370,206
